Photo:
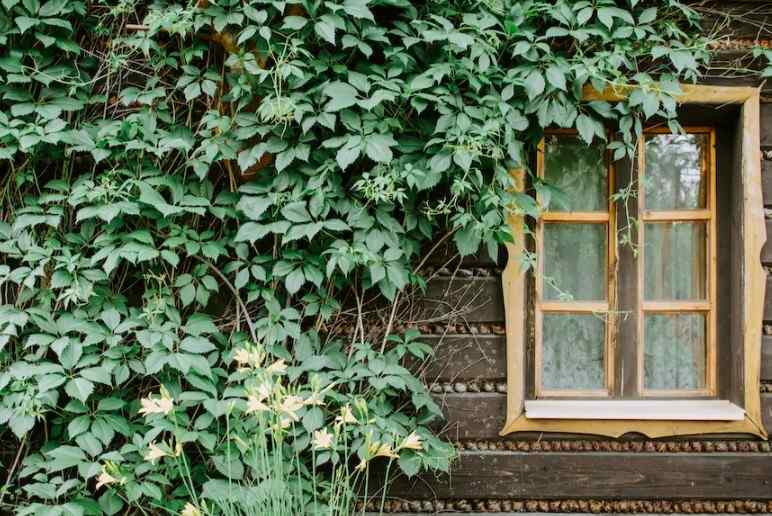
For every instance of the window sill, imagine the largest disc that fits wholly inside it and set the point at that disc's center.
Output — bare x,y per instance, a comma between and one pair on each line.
661,410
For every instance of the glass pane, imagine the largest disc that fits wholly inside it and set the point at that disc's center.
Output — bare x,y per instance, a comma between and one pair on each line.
573,351
675,175
574,261
675,351
674,258
579,171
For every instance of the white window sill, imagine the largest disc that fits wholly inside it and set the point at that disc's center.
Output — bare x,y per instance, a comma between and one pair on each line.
667,410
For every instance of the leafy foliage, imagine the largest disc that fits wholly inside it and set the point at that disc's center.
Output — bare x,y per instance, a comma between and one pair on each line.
186,180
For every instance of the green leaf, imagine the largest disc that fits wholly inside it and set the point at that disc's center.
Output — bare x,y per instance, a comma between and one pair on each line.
534,84
347,155
296,212
378,147
556,77
294,22
410,464
325,30
79,388
65,457
358,9
467,240
24,23
342,95
295,280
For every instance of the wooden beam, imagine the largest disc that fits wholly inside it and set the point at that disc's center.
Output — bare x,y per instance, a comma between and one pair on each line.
466,357
462,300
481,416
561,475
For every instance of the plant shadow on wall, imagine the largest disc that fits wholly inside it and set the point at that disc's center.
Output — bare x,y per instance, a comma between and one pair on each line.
214,214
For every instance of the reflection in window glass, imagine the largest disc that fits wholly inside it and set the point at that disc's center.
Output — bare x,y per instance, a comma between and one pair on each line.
674,353
675,176
574,261
579,171
674,258
572,351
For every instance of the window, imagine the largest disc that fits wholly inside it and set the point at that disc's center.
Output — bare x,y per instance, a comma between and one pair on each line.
621,330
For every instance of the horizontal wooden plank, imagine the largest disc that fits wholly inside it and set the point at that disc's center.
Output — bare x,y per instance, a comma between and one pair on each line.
447,256
460,300
481,415
560,475
466,357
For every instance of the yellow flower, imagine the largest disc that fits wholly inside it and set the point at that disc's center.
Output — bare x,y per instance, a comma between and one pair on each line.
264,390
154,453
316,398
190,510
105,479
162,405
382,450
322,439
291,405
346,416
412,442
248,358
255,404
278,367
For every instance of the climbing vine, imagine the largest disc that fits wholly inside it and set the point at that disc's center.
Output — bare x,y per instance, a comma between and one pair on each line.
199,198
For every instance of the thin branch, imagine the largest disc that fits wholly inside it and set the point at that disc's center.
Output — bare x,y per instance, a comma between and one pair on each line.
235,294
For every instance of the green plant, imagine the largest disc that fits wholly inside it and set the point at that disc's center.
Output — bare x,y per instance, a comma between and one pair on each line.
134,256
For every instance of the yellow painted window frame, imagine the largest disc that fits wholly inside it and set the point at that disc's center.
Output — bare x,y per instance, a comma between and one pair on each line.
753,280
542,306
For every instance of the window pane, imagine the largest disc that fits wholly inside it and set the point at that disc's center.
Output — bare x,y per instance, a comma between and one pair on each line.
573,351
675,176
675,351
574,261
674,258
579,171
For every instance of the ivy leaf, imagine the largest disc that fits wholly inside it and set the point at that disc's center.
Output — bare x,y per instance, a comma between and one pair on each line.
467,240
606,16
648,15
534,84
683,59
358,9
148,195
556,77
325,30
342,95
79,388
296,212
192,91
588,127
347,155
378,147
294,22
294,280
24,23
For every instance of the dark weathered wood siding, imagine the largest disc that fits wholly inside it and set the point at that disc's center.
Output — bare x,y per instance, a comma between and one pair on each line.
464,319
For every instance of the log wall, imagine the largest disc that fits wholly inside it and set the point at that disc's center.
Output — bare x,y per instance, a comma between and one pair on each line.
463,319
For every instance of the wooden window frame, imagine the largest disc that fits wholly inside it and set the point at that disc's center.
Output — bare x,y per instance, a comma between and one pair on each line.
607,218
753,280
709,305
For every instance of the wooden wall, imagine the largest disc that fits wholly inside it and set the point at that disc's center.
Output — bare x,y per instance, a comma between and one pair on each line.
464,321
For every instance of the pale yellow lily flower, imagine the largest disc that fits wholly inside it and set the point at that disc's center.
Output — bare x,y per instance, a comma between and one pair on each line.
322,439
154,453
